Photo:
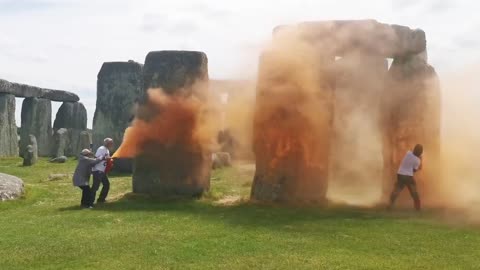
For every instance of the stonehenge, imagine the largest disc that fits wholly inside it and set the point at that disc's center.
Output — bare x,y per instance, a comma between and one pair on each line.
325,93
27,91
36,119
180,167
353,55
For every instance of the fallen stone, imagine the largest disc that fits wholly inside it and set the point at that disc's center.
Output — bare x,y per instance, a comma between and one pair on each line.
61,159
27,91
8,127
11,187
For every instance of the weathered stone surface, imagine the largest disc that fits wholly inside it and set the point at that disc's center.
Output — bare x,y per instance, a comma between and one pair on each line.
8,127
119,86
60,159
84,141
174,70
174,169
71,115
30,156
123,165
292,126
356,161
340,37
412,115
11,187
60,142
37,120
27,91
70,142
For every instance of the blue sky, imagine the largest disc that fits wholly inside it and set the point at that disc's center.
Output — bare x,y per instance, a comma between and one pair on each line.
62,44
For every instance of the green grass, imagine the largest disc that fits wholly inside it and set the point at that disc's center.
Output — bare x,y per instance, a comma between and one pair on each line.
46,230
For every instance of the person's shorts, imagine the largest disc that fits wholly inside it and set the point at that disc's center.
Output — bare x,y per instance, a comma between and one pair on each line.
405,180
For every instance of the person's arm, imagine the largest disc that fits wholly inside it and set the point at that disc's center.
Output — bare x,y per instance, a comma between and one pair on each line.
93,161
419,165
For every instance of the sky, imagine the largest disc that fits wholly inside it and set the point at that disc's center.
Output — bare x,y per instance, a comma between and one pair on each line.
61,44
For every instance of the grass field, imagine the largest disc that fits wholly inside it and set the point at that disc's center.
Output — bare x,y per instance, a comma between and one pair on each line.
47,230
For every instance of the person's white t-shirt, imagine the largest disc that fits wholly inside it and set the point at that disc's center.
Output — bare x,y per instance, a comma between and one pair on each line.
409,165
102,152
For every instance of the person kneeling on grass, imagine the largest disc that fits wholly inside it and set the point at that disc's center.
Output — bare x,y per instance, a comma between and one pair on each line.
81,177
411,163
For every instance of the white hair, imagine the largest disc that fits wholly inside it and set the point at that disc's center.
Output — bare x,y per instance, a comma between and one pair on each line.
86,152
107,140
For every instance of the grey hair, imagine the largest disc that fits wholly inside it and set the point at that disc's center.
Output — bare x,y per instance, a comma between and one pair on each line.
107,140
86,152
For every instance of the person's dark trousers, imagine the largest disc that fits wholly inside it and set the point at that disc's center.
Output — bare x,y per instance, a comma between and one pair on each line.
86,196
100,177
409,182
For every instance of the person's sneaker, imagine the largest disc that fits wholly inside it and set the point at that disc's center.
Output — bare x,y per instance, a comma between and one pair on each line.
100,202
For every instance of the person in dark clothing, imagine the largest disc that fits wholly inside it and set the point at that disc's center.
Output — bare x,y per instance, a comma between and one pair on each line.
411,163
81,177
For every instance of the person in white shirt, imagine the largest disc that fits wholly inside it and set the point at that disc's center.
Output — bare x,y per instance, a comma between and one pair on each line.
411,163
99,175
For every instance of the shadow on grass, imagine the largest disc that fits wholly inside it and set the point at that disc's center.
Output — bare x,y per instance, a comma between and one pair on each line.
243,214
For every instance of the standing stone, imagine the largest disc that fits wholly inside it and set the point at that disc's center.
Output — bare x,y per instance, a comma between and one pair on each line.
174,169
122,165
8,128
84,142
292,126
79,140
412,112
71,115
119,86
37,120
60,141
30,156
356,162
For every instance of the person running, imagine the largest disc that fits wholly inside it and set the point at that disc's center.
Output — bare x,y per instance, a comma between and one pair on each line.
81,177
99,174
411,163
